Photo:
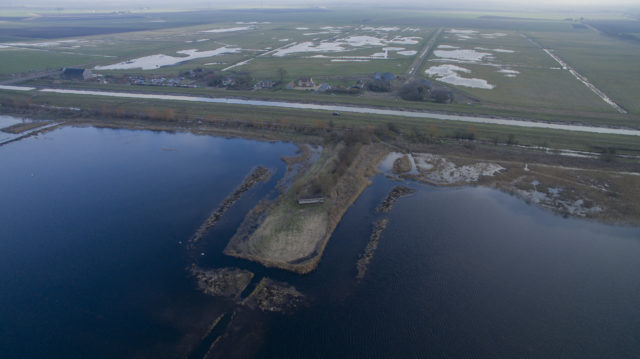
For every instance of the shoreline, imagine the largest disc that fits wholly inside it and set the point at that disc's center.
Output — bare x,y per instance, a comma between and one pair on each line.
512,157
597,193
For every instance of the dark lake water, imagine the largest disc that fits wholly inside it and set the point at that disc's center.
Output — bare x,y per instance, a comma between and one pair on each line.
91,265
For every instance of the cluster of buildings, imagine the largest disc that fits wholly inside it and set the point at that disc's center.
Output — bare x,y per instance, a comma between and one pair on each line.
307,83
264,84
191,78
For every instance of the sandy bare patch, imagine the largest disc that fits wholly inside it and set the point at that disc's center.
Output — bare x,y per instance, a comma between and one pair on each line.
438,170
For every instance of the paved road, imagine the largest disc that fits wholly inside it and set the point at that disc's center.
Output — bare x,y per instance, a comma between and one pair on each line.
419,60
356,109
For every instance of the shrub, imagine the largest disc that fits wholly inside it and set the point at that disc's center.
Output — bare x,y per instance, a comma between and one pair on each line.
442,96
414,91
379,85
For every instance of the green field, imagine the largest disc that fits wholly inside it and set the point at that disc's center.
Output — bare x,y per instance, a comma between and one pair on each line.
540,83
609,63
17,61
539,90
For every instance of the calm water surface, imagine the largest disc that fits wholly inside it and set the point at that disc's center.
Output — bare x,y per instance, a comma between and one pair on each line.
91,265
474,273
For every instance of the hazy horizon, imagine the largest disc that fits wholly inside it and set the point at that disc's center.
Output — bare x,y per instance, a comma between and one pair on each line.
494,5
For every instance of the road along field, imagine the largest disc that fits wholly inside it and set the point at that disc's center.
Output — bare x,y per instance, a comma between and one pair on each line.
505,68
610,64
363,110
492,68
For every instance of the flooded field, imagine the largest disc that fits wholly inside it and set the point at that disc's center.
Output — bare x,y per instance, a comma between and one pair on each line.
451,74
351,42
462,53
156,61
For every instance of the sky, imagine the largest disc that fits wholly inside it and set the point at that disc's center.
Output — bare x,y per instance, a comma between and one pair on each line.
511,4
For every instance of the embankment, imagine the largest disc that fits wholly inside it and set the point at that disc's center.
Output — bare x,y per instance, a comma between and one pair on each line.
257,175
390,200
372,245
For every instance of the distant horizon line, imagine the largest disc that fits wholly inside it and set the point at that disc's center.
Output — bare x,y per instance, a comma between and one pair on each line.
453,5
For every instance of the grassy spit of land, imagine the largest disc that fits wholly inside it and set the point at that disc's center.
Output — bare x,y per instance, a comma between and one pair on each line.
293,236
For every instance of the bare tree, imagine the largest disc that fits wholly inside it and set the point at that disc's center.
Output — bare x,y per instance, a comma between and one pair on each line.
282,73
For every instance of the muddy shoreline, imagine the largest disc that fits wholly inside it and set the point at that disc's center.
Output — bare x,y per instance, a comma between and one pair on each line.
592,189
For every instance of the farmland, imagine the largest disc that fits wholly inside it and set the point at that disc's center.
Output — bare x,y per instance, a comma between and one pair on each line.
490,64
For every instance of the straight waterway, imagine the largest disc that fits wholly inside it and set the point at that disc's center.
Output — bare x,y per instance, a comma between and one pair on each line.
357,109
577,75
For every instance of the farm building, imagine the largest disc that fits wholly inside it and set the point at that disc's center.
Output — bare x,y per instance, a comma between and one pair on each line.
386,76
323,88
307,201
305,82
265,84
74,73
